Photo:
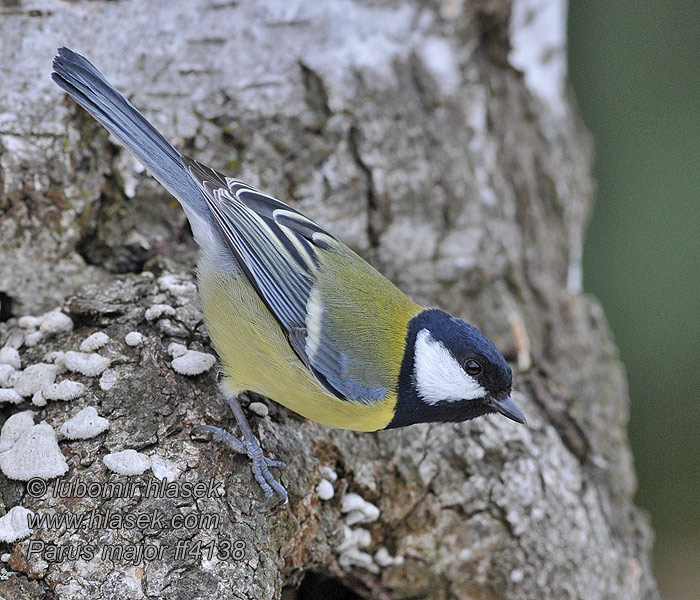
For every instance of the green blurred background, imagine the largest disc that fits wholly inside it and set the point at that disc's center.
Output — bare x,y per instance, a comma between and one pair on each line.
635,70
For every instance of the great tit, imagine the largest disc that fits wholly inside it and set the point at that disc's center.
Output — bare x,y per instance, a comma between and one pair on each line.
293,313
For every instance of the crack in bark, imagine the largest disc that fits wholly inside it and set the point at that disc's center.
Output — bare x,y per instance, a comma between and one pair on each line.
315,93
568,430
372,206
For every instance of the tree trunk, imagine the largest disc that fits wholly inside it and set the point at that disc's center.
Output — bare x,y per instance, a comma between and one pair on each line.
436,139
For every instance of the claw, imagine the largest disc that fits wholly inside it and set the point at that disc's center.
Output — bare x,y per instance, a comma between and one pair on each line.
221,435
270,486
250,446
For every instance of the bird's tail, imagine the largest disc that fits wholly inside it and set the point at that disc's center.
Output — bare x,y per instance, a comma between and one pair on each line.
77,76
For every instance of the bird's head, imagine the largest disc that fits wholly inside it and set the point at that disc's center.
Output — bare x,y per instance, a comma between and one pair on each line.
451,372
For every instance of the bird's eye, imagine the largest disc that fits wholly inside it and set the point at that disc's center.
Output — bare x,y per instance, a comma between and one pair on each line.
472,367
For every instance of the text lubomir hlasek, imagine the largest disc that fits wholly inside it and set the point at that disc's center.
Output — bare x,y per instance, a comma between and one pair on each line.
150,488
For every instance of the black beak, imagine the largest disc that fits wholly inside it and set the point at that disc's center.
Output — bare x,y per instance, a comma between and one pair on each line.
508,408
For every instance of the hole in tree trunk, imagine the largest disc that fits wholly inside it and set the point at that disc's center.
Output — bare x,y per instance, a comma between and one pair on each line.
6,303
317,586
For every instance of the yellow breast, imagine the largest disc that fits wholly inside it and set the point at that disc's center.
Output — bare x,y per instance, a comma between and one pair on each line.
256,357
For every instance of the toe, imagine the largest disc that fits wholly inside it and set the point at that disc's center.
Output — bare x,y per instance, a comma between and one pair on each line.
275,464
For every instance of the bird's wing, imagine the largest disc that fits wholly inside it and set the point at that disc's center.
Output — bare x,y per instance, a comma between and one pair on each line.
317,289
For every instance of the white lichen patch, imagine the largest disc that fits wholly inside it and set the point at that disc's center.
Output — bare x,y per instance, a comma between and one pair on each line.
38,399
33,338
127,462
55,322
14,526
357,558
133,338
177,286
8,376
324,489
328,473
34,454
29,322
349,551
65,390
193,363
58,358
84,425
175,349
517,575
94,342
384,559
34,378
14,427
159,310
354,538
91,364
108,380
53,355
259,409
358,510
10,356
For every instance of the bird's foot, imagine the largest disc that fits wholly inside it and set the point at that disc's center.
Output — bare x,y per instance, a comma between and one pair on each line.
249,445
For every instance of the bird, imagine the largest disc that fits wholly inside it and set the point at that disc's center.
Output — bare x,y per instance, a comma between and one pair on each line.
294,314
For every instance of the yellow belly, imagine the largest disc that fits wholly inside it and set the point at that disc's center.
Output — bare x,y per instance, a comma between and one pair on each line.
256,357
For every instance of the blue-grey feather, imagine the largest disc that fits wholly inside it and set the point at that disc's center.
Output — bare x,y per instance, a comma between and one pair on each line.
77,76
259,231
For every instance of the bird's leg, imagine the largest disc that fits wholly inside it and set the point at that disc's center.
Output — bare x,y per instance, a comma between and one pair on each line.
270,486
249,445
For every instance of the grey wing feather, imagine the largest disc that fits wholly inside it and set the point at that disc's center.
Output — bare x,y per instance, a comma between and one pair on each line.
276,247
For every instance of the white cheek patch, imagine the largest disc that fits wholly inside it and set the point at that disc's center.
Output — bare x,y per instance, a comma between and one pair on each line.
439,377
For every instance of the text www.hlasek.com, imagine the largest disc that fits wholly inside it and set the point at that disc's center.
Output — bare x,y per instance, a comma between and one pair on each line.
94,519
153,520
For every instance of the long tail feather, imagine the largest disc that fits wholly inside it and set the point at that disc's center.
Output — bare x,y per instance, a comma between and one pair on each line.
77,76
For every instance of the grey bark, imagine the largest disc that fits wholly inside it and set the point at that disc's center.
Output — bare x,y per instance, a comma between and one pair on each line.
436,139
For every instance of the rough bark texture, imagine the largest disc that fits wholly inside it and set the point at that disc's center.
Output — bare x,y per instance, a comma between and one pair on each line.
438,140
